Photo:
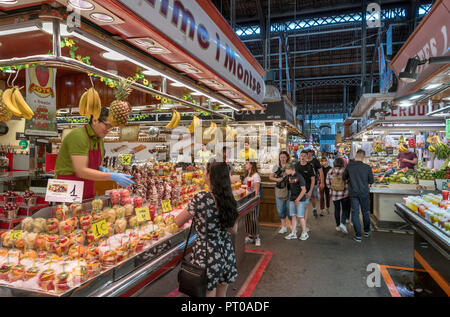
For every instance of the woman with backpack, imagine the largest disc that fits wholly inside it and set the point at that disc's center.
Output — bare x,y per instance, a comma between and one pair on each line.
339,194
279,176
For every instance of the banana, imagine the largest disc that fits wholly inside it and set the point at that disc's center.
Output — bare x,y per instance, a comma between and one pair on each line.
82,104
194,124
177,122
172,122
20,102
8,102
97,104
431,148
228,131
211,130
90,103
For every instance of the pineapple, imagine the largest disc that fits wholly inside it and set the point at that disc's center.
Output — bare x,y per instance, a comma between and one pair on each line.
5,113
119,108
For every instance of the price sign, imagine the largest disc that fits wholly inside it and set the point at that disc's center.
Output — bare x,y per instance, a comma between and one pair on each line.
126,159
142,214
16,235
61,190
99,228
166,207
447,128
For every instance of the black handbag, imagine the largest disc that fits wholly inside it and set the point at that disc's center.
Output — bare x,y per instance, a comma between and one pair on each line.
192,278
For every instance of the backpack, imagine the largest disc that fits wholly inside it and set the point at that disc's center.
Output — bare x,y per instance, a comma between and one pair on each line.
337,183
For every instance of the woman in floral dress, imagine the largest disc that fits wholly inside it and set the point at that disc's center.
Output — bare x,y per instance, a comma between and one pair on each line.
213,215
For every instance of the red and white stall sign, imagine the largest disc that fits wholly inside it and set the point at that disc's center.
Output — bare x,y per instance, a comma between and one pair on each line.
197,28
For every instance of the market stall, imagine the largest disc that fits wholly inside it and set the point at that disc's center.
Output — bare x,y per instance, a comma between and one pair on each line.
162,92
429,217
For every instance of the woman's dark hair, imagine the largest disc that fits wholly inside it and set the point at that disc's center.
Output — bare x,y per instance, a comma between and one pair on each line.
339,162
254,168
287,156
221,188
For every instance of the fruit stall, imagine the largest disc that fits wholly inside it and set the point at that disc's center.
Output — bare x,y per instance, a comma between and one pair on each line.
161,87
429,216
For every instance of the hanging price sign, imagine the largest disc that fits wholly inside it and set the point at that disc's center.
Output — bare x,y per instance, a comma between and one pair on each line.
126,159
166,207
99,228
142,214
16,235
61,190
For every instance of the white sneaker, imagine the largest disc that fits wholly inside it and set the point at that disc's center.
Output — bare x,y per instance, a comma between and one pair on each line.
338,228
291,236
343,228
304,236
257,242
283,230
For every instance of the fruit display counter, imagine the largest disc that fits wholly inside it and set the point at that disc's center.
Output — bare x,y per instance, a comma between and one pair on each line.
103,247
431,243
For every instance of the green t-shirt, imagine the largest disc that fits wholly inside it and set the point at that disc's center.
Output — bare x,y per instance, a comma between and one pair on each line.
76,143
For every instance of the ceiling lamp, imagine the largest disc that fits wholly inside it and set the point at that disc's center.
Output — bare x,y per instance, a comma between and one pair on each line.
177,84
113,56
8,1
410,75
432,86
101,17
151,72
81,5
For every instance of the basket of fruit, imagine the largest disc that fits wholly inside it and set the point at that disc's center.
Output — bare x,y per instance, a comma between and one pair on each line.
10,197
10,210
29,198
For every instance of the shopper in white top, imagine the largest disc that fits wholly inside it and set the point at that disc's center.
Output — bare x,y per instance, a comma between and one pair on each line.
252,224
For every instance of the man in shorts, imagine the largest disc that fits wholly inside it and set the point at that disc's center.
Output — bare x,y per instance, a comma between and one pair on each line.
307,171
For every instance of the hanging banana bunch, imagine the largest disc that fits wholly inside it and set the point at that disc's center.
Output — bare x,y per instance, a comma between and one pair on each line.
90,104
176,117
13,101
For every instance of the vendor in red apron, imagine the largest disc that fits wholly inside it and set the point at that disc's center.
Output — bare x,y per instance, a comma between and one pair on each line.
81,155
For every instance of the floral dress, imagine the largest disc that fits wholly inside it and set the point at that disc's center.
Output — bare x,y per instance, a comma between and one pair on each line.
221,257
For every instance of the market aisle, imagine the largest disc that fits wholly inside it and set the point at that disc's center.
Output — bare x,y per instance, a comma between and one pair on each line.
329,263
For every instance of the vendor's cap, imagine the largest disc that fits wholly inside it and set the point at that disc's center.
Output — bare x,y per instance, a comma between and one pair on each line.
290,166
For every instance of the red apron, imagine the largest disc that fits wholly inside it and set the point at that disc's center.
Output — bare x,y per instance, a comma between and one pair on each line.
94,162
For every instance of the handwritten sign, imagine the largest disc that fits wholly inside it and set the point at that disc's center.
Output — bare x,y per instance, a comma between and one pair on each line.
142,214
99,228
61,190
126,159
166,207
16,235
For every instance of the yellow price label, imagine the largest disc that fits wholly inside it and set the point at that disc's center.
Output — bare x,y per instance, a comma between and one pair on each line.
99,228
126,159
166,207
16,235
142,214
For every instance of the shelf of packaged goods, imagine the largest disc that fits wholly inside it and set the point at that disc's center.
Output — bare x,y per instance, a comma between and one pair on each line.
435,236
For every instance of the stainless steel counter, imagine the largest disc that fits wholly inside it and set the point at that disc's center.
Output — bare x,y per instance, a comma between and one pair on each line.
9,176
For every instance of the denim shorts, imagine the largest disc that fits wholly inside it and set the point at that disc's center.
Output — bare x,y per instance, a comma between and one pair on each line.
298,211
282,208
315,192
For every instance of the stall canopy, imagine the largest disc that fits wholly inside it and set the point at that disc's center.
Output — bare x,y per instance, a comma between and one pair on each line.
189,37
430,44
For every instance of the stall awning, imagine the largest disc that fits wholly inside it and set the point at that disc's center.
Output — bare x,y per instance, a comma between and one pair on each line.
189,36
431,38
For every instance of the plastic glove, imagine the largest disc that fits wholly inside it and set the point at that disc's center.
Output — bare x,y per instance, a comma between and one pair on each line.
103,169
122,179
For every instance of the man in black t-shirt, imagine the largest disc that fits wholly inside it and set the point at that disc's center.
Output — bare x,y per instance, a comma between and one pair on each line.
319,185
307,171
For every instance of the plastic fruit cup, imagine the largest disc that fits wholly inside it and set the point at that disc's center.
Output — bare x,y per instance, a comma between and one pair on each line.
445,194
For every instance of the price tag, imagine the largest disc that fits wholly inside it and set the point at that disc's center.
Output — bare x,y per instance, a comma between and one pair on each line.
99,228
61,190
126,159
142,214
16,235
166,207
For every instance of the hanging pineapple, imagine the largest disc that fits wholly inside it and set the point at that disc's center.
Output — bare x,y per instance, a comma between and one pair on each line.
119,108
